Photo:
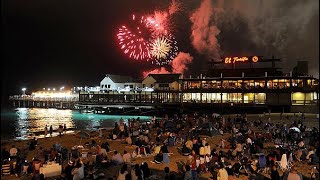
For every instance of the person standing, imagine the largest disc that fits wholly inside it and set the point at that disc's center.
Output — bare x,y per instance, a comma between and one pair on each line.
60,130
46,131
50,130
65,128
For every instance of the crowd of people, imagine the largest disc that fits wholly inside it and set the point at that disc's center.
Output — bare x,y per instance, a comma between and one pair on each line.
242,153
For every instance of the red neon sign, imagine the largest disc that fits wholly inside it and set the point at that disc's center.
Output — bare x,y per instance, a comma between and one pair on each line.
232,60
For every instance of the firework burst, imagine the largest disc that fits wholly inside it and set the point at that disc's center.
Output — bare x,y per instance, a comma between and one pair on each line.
148,38
163,50
134,41
160,48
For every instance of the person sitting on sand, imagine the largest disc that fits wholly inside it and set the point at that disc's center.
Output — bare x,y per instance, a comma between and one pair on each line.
222,173
189,144
164,148
101,151
222,143
293,174
33,143
116,158
122,173
129,140
158,158
187,174
57,146
141,150
78,171
310,152
274,173
157,149
126,157
68,170
145,170
185,151
13,152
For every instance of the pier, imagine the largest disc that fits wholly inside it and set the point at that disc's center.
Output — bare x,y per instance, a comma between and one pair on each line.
31,102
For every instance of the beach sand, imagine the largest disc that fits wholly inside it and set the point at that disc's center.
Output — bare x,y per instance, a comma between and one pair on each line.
176,160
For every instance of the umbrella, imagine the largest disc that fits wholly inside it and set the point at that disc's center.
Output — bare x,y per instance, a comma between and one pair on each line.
295,129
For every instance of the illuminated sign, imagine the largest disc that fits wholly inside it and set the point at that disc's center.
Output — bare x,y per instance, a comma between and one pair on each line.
232,60
255,59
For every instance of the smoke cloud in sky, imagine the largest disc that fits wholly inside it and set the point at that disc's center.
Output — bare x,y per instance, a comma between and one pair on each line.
179,64
287,29
174,7
161,70
204,33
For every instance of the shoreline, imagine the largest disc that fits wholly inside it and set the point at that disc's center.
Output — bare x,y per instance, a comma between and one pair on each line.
40,134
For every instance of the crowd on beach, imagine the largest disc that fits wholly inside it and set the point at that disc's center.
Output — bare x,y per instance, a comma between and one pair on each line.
243,153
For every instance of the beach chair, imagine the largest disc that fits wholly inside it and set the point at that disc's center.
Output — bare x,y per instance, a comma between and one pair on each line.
283,163
6,168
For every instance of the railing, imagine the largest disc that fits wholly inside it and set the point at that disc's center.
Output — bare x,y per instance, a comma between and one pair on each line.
57,99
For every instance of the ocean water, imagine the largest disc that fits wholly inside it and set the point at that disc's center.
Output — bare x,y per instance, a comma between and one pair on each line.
19,123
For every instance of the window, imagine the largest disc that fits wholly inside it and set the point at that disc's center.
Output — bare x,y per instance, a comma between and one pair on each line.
143,85
151,85
284,83
109,86
297,82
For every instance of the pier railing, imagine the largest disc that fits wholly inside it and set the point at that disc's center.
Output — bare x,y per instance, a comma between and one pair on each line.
54,99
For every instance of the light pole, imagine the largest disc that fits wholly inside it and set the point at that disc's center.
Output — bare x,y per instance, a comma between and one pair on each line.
24,91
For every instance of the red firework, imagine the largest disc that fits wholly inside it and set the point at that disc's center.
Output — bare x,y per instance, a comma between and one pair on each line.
134,40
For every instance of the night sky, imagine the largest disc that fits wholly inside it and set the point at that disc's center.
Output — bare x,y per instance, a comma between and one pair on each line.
49,43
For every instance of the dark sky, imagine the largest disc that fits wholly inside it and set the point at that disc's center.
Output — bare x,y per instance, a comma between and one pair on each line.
54,43
50,43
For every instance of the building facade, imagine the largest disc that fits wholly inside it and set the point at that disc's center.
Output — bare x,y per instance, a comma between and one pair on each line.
230,85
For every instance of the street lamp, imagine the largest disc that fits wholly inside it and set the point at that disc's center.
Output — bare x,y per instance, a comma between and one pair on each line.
24,91
61,88
54,89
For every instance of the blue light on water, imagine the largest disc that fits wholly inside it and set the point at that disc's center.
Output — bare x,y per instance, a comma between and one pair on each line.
23,121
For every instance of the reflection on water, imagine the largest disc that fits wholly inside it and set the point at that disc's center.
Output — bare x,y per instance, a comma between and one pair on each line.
19,123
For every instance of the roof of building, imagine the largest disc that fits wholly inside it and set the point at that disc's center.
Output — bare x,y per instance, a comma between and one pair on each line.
120,79
165,78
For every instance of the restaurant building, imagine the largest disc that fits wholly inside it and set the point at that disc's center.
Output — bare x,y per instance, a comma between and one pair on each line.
253,81
233,82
